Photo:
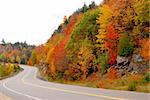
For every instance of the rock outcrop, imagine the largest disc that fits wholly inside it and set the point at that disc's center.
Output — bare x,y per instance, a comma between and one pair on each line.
133,64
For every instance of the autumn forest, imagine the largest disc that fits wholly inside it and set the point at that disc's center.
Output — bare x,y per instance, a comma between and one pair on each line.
100,46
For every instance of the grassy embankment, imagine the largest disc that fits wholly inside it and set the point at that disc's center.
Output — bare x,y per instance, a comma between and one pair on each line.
8,70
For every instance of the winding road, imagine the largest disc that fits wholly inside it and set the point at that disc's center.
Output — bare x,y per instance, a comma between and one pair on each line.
26,86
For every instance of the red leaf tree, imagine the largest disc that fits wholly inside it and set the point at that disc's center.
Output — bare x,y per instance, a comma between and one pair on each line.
111,43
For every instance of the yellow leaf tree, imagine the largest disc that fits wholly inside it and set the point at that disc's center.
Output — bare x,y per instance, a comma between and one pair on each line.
85,59
103,20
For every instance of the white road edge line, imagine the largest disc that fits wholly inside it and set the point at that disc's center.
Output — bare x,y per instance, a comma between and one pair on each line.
68,91
5,86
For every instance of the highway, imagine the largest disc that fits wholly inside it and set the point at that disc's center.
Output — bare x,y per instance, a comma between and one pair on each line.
26,86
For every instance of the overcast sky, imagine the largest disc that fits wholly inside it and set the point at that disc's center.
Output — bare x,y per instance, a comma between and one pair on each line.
34,21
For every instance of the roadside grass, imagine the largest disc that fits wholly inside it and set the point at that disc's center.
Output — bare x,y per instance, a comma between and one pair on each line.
130,83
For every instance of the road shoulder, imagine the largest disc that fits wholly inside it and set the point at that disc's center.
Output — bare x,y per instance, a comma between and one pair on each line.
4,97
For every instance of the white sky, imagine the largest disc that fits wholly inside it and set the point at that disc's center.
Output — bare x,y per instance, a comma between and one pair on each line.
34,21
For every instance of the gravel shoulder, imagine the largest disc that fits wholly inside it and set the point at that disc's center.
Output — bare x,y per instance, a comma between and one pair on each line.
4,97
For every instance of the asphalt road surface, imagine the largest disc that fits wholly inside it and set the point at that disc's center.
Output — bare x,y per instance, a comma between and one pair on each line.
26,86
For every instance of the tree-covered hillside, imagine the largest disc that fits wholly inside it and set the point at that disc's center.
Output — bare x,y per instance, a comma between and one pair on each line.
104,46
15,53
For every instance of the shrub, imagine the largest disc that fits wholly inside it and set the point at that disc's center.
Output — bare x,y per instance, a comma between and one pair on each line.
60,75
125,47
132,86
144,43
104,63
1,71
16,68
147,77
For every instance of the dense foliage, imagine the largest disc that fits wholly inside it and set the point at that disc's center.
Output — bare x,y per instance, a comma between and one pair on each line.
8,69
98,44
15,53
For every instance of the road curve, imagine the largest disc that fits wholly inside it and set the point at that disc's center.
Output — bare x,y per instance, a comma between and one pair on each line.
25,86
